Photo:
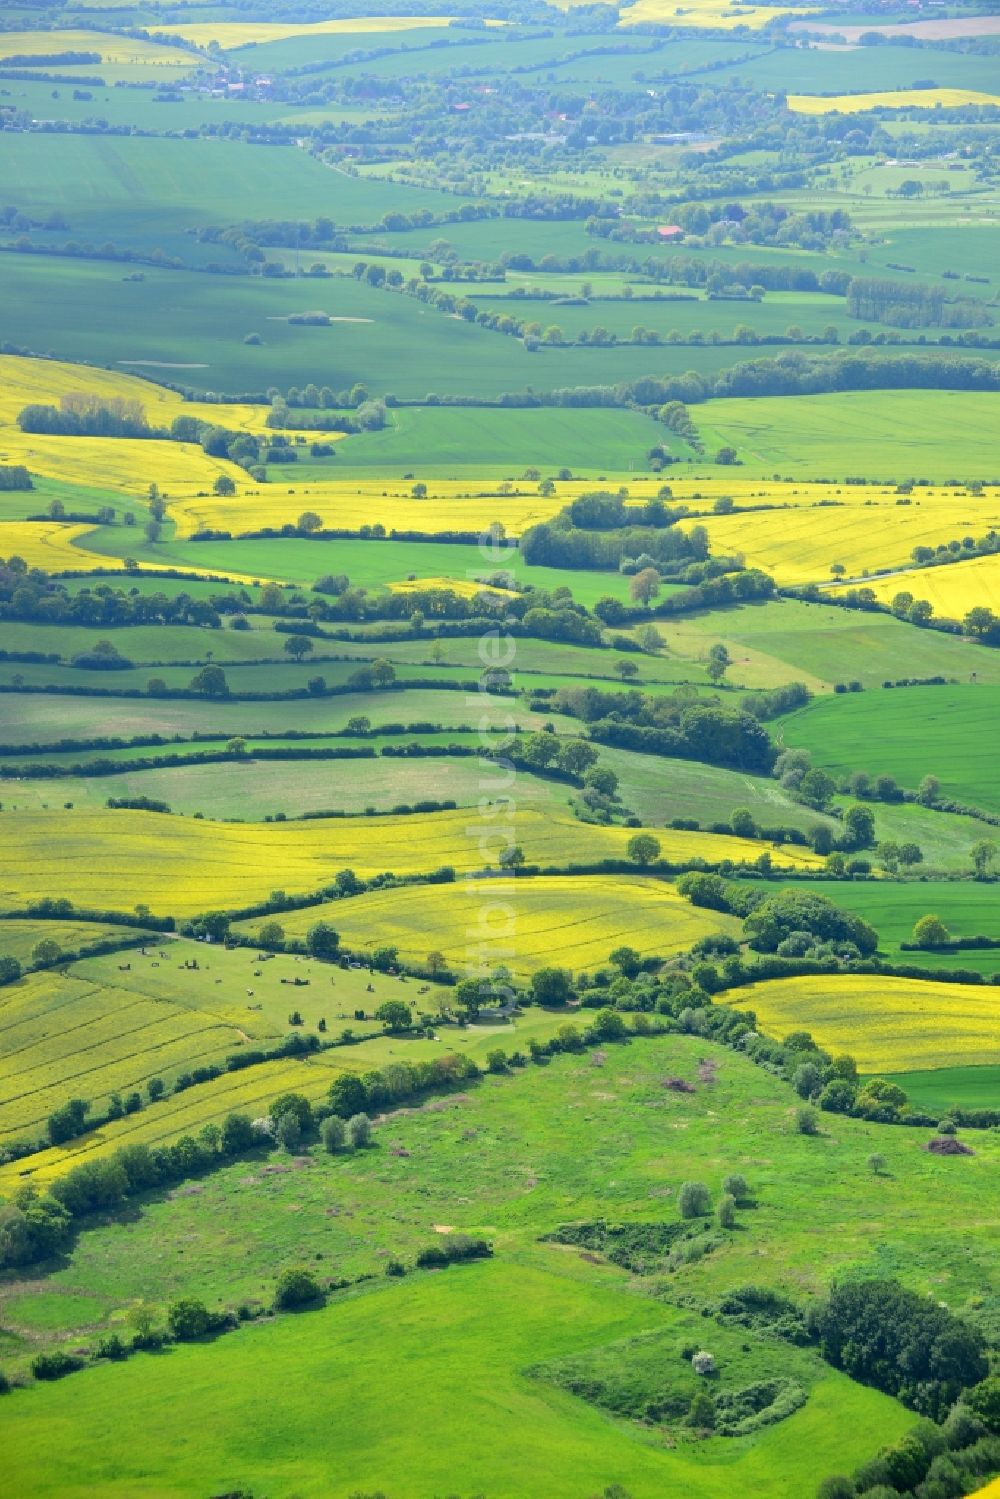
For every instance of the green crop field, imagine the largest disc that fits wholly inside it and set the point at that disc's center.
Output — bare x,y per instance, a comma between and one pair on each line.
908,733
949,434
894,909
460,1033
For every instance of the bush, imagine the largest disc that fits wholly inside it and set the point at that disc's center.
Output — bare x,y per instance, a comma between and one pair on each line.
189,1318
735,1185
703,1363
452,1249
694,1200
727,1211
333,1133
359,1131
806,1121
296,1288
55,1365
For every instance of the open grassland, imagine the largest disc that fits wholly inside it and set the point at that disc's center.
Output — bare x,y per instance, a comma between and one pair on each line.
511,1159
908,733
142,193
952,589
886,1024
525,923
924,98
261,788
803,544
886,434
454,1339
183,866
233,34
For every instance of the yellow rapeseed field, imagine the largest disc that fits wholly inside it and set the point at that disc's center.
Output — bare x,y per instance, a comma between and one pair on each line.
113,49
349,504
472,505
863,530
907,98
886,1024
466,588
114,859
26,381
230,34
528,923
952,590
129,1037
715,14
59,548
253,1090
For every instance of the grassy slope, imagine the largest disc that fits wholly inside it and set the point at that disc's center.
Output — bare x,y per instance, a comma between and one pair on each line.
512,1158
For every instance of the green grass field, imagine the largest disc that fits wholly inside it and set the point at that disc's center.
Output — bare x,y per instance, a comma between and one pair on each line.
44,719
506,1159
139,192
907,733
967,910
948,1087
885,435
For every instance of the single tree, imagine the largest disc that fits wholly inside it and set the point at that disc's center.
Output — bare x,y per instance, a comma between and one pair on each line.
394,1015
643,849
694,1200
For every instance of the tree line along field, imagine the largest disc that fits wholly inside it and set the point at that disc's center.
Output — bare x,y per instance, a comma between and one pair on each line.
607,919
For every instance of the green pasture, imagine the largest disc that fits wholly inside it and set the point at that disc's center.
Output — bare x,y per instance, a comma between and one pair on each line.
943,1089
658,790
509,1159
455,1342
967,909
862,70
884,434
946,838
771,317
907,733
820,644
368,564
161,112
45,718
250,789
142,193
190,748
175,326
18,938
